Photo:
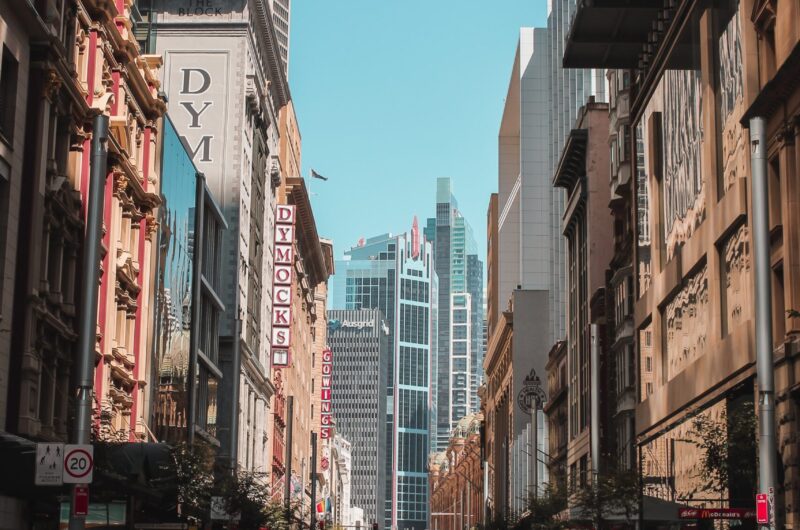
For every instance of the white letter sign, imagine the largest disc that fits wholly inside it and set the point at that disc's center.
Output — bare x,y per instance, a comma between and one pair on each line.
282,284
326,417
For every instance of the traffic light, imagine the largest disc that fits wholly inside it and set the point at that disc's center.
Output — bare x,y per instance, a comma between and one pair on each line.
374,526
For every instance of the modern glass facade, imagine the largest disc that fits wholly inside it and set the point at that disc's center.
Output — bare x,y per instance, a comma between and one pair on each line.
392,274
187,316
460,272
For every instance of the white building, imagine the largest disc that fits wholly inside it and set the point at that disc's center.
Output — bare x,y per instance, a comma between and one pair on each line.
341,481
541,107
225,80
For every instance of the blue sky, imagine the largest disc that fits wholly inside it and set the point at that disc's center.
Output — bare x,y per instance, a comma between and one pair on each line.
392,94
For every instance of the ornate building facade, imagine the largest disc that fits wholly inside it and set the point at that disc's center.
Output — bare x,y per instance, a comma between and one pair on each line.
456,478
68,62
112,77
498,409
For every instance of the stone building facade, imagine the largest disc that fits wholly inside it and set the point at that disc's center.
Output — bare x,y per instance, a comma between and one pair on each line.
498,408
456,478
697,74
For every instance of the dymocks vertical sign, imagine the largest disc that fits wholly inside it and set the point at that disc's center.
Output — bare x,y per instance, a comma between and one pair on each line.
282,284
326,412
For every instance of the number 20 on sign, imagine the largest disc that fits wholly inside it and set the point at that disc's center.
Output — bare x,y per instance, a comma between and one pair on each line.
78,464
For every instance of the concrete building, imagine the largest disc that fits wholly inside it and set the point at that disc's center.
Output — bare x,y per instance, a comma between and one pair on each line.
227,90
456,478
396,275
698,73
459,358
361,349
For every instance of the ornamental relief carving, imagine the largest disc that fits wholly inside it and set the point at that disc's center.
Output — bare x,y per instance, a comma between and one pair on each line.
683,186
731,103
738,296
686,320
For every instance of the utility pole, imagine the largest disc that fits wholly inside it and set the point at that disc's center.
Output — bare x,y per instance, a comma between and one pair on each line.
765,367
288,483
90,276
313,475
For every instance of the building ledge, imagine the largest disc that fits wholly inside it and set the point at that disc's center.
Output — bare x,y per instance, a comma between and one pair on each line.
777,91
572,164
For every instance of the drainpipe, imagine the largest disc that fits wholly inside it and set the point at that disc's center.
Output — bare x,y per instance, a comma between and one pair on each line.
594,392
767,448
90,276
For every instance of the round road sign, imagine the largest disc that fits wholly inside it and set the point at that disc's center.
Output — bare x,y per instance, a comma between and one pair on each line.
78,463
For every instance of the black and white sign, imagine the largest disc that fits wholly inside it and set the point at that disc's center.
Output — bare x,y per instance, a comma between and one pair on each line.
49,466
78,464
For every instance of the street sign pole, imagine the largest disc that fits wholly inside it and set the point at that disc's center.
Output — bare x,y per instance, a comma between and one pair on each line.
87,336
765,360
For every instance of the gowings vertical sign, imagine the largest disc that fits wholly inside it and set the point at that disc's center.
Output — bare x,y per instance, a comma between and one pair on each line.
326,412
282,284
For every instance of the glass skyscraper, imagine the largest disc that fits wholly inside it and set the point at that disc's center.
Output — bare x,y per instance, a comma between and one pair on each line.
459,359
396,275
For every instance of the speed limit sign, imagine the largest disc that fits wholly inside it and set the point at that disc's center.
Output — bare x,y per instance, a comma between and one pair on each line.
78,464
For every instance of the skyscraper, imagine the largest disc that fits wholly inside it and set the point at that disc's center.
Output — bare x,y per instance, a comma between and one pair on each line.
359,340
459,359
396,275
281,17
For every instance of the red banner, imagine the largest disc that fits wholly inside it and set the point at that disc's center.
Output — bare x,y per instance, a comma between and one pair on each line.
326,412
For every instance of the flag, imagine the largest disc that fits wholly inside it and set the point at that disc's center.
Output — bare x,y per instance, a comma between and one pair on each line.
316,175
320,506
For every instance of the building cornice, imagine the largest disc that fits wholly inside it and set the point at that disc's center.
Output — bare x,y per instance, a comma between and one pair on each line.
310,246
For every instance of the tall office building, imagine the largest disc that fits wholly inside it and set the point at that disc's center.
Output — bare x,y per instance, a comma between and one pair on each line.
396,275
459,360
541,108
359,340
281,18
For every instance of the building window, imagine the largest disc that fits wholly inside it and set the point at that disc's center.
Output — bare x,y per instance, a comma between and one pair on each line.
8,95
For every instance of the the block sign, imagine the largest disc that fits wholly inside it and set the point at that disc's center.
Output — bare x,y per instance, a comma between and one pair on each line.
282,284
326,412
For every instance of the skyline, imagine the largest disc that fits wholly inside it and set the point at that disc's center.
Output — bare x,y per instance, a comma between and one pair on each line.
402,161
